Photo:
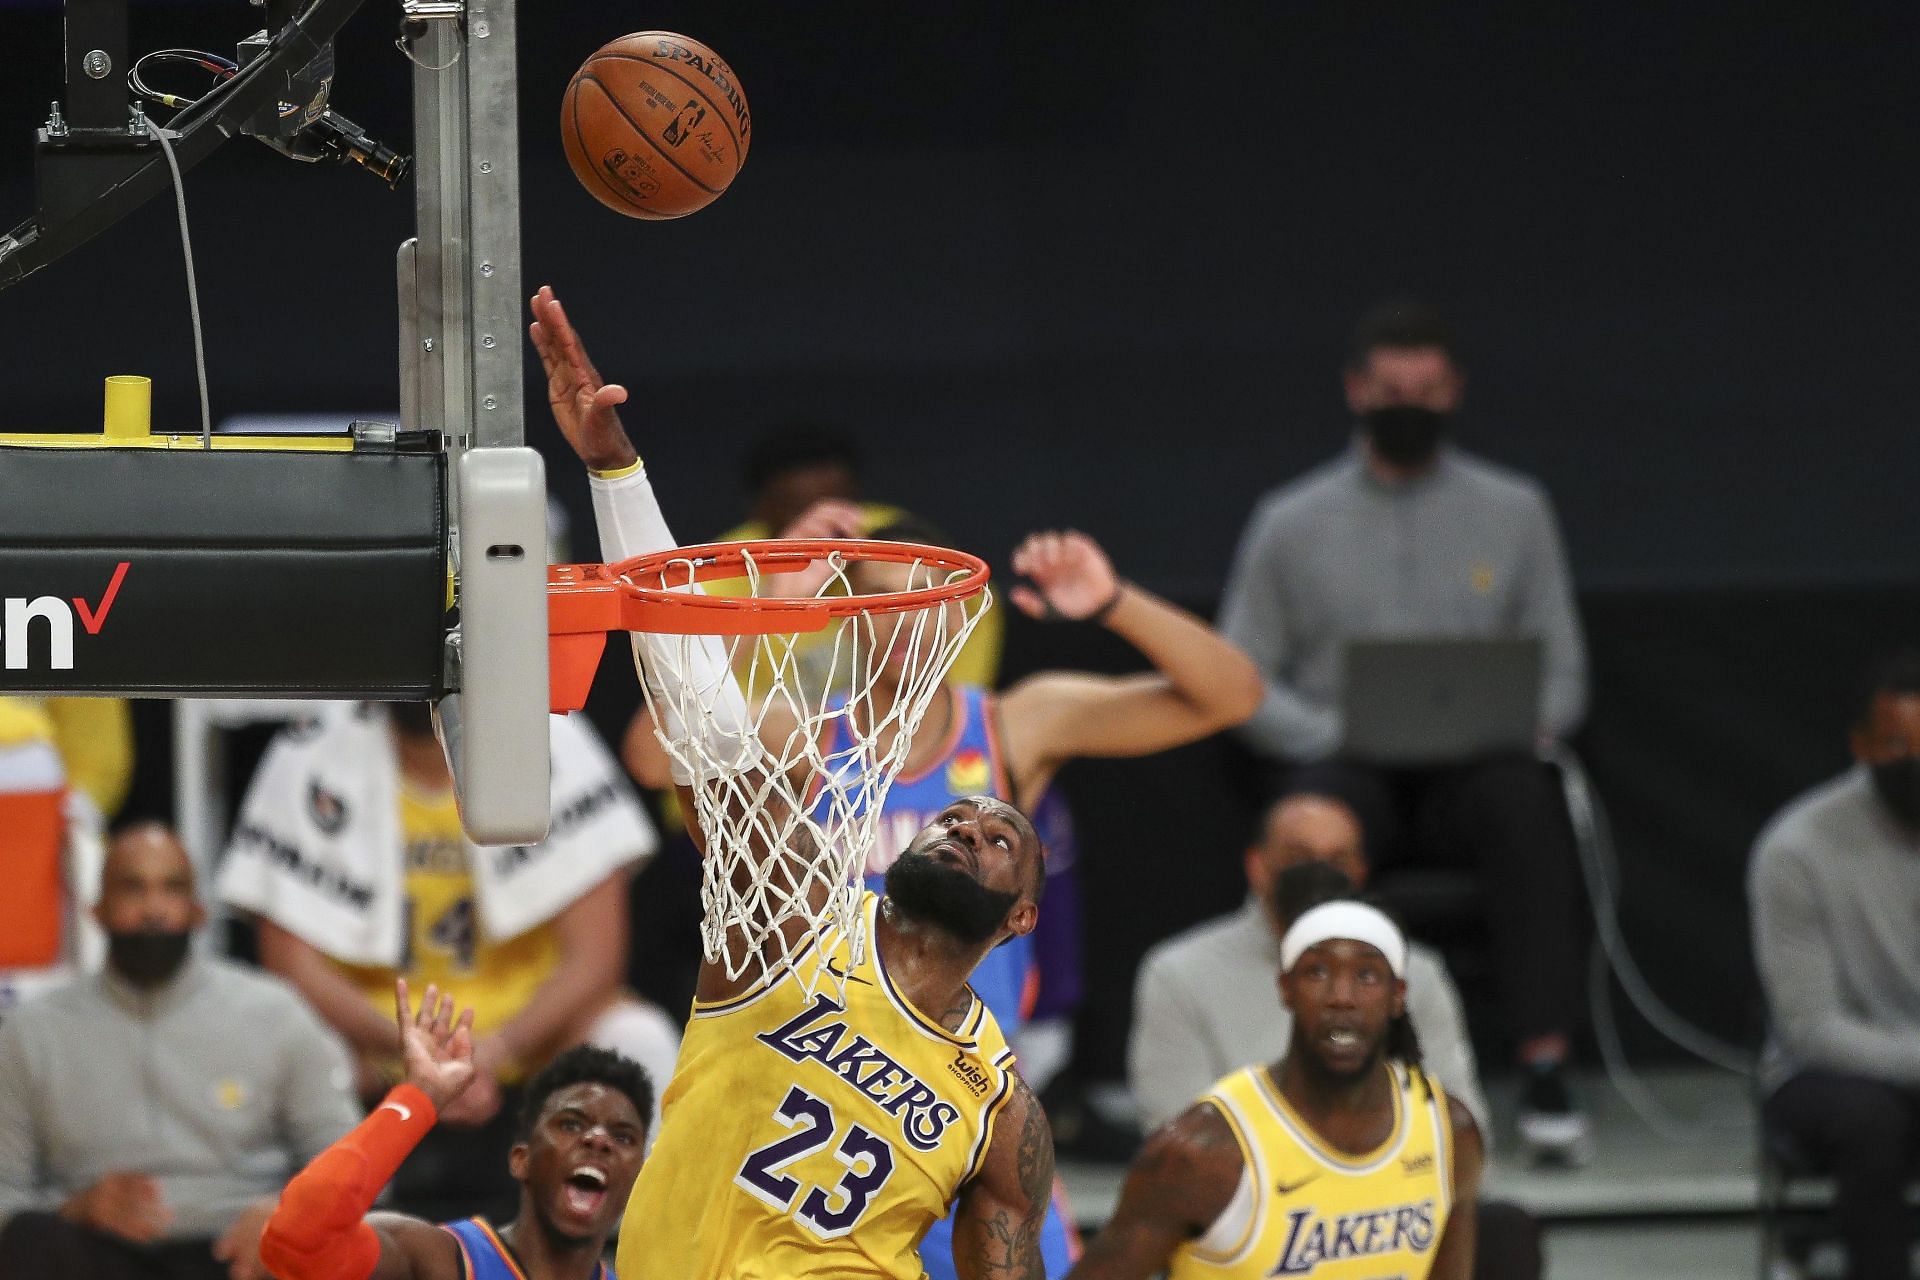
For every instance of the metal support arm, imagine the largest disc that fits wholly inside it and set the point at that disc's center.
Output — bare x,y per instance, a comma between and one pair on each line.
115,182
461,364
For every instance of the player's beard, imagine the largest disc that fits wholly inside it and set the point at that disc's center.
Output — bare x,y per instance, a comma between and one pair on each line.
946,897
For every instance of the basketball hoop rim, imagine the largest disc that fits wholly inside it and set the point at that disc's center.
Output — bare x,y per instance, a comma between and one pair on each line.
720,560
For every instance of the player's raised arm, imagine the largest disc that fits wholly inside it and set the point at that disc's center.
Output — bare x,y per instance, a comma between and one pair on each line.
586,409
630,523
1179,1184
1453,1260
1202,683
321,1230
996,1230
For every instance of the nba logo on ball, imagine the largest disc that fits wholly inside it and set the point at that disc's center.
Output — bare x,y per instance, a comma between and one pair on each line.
629,113
681,127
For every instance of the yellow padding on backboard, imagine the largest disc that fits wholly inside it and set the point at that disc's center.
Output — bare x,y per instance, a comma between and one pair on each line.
76,440
127,423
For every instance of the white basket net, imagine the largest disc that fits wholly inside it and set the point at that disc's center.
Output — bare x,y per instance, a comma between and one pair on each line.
790,743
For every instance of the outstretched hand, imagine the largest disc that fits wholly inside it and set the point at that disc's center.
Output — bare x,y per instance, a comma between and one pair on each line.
437,1047
584,406
1072,577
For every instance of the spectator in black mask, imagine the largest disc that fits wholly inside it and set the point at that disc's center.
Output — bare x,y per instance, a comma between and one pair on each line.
1406,536
149,1114
1835,890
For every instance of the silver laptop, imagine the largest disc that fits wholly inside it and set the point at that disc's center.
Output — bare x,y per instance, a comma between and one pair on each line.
1429,701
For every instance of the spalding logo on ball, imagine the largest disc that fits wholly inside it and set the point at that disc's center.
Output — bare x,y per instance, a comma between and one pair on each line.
655,125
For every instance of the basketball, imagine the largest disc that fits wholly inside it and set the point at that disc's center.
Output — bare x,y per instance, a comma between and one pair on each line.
655,125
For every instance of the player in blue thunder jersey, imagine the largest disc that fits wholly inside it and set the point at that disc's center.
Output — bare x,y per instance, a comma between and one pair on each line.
582,1138
488,1257
1010,745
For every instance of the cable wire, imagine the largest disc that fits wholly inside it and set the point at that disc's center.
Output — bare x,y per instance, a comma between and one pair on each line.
223,69
1626,1081
1599,864
404,43
193,287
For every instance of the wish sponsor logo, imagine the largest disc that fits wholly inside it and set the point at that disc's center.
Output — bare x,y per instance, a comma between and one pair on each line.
970,1073
37,631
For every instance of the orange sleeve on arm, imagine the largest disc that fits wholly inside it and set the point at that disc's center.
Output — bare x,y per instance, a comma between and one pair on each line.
318,1231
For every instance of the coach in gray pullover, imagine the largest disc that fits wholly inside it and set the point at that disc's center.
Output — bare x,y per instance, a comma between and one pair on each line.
1406,536
1463,548
1835,891
146,1111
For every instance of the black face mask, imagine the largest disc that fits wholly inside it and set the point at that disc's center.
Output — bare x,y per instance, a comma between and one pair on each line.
1406,435
148,958
947,897
1897,782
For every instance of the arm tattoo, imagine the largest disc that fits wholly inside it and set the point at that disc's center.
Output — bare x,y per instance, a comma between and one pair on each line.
1036,1155
1013,1233
955,1014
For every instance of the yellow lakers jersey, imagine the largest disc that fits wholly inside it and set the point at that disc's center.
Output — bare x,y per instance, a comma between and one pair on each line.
94,737
814,1136
1305,1209
444,943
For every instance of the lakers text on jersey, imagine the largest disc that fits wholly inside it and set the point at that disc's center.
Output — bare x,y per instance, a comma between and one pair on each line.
817,1134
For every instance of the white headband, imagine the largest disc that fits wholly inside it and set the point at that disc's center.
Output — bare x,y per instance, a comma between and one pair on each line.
1355,921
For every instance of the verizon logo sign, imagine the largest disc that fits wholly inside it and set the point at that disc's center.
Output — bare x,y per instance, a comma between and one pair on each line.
18,632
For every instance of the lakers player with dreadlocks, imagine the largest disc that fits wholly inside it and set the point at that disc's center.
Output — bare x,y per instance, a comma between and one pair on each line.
1341,1161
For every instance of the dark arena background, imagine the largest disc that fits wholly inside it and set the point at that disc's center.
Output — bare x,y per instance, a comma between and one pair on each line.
1095,266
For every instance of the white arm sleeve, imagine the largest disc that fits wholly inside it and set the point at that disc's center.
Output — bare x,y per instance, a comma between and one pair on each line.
701,711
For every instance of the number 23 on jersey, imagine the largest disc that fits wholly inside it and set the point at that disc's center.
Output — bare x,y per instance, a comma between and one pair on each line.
827,1212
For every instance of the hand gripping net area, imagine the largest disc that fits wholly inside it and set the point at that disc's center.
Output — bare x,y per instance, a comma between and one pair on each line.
790,739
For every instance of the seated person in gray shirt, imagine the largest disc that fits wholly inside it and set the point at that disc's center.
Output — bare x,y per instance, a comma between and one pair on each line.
1407,536
1205,1003
1835,891
150,1113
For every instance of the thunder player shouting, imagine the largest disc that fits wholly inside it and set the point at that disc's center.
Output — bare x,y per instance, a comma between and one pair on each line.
820,1136
583,1137
1341,1161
